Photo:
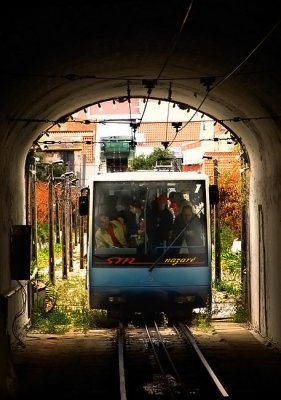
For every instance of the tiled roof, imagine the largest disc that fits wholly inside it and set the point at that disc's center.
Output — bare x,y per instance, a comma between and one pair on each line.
157,132
226,162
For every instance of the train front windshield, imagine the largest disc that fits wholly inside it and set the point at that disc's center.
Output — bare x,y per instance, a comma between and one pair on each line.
150,221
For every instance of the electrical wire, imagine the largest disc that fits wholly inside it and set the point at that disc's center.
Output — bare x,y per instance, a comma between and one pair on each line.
133,127
232,72
132,120
168,112
74,77
170,52
249,55
18,314
88,142
132,78
176,39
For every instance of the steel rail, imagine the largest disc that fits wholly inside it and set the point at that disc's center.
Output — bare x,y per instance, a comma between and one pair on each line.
189,337
122,381
171,362
168,386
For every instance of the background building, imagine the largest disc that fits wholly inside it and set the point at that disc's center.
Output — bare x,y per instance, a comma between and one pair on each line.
104,137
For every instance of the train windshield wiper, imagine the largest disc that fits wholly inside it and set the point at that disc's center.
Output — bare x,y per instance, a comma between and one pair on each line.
173,241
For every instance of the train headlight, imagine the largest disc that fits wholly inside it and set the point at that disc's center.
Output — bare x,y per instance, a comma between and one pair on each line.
185,299
116,299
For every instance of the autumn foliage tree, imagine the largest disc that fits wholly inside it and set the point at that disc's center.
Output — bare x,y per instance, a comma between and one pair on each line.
42,202
230,199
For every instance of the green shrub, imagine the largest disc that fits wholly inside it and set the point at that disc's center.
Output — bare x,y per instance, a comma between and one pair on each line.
202,320
230,284
66,307
43,234
240,314
55,321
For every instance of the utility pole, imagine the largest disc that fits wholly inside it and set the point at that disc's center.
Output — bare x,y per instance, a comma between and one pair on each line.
33,209
76,219
51,226
217,242
65,207
51,219
82,224
57,218
84,238
63,236
70,230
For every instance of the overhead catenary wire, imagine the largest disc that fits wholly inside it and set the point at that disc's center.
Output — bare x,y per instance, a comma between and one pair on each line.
223,79
211,89
132,120
235,119
169,54
88,142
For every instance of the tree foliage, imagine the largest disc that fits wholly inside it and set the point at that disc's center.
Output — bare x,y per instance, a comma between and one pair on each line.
43,171
148,162
42,202
230,199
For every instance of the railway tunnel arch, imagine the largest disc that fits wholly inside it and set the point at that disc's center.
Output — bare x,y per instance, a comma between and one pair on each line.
59,59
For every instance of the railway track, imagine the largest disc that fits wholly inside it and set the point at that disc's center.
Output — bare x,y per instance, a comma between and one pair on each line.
167,363
88,365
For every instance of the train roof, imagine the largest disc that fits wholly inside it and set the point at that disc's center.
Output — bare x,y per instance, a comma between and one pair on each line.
150,175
